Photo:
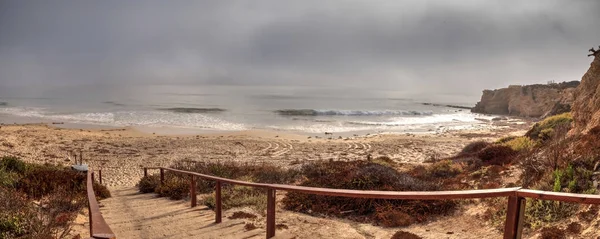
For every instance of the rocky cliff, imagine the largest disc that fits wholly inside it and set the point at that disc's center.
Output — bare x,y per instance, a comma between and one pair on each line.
529,100
586,105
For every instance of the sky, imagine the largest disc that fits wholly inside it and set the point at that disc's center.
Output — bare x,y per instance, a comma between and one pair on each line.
418,45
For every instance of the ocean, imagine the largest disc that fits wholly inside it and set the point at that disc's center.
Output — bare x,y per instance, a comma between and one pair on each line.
194,107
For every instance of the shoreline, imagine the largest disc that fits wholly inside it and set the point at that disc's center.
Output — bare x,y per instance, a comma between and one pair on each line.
123,151
440,128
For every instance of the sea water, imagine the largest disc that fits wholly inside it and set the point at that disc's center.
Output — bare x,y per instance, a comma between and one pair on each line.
300,109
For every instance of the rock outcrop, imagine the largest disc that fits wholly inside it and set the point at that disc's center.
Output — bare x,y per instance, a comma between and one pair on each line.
586,106
529,100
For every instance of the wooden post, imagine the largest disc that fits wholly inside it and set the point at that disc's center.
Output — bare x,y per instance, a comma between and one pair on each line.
193,190
162,176
100,175
218,202
513,227
93,178
270,213
145,172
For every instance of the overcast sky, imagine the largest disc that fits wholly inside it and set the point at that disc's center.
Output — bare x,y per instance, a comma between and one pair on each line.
438,46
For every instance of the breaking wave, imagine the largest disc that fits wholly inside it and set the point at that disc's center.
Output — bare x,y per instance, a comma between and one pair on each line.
311,112
194,110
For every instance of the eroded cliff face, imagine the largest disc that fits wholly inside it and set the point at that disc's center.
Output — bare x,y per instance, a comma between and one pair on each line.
586,105
528,100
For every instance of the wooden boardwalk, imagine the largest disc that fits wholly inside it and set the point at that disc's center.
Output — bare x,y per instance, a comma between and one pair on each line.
134,215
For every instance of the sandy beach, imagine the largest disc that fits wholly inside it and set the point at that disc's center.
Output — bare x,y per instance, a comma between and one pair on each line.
121,152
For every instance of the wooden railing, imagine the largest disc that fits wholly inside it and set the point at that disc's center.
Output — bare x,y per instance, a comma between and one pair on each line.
514,217
98,227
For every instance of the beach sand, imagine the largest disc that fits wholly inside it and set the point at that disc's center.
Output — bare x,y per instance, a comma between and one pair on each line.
122,152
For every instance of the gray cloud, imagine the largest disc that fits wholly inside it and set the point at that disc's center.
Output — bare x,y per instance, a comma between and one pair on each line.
438,46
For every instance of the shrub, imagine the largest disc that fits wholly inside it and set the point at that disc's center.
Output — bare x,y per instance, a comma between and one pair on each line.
545,125
240,214
41,180
497,154
444,169
552,233
273,174
362,176
8,179
12,164
520,143
474,147
505,139
101,191
239,196
385,161
13,206
261,173
574,228
393,218
405,235
540,212
174,188
148,184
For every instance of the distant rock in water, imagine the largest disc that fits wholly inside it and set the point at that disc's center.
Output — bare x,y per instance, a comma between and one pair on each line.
194,110
528,100
586,105
449,106
3,104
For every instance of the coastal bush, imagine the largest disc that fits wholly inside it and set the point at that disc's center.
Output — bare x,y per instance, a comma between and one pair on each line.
552,233
239,196
260,173
520,143
59,193
543,130
13,207
8,179
41,180
539,212
405,235
497,155
385,161
444,169
505,139
363,175
100,191
148,184
12,164
474,147
174,188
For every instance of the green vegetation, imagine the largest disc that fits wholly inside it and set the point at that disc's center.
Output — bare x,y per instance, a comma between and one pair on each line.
59,194
520,143
177,187
240,196
365,176
497,155
544,130
474,147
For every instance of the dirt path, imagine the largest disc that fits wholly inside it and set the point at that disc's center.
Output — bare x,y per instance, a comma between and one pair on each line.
134,215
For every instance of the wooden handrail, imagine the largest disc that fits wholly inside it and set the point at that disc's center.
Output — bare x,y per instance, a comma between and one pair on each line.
513,223
98,227
416,195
